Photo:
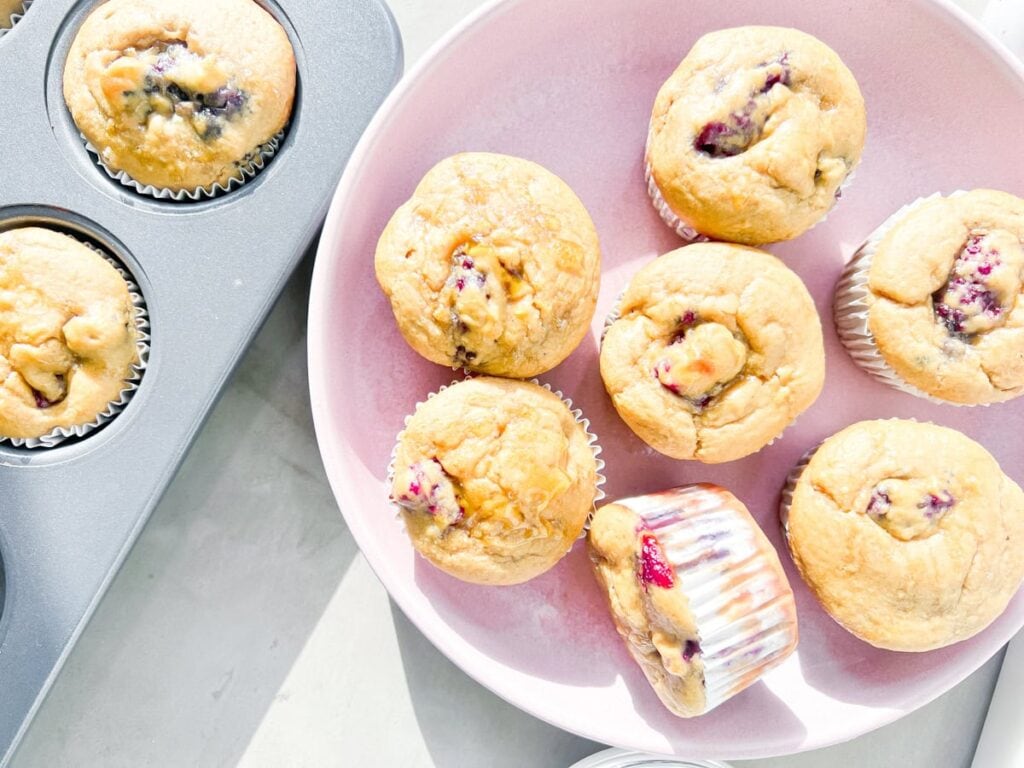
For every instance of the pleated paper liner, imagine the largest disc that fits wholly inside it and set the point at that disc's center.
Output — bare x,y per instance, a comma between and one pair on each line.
248,168
6,25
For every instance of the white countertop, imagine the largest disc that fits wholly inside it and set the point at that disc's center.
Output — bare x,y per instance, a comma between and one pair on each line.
246,628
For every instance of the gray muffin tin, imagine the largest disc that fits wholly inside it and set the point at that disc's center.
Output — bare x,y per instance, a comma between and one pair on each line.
209,271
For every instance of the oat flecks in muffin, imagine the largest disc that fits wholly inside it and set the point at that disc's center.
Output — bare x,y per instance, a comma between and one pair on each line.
753,134
909,534
180,95
944,299
67,338
717,349
495,480
493,264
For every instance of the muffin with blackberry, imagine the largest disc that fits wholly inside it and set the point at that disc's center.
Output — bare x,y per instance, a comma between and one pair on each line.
180,96
908,534
715,348
933,302
752,135
492,265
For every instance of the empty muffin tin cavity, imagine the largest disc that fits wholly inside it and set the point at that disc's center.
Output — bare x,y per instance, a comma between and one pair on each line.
113,252
261,163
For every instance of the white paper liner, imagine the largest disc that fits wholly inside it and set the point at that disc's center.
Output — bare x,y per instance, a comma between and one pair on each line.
577,413
251,165
141,320
674,221
16,17
741,602
787,492
850,310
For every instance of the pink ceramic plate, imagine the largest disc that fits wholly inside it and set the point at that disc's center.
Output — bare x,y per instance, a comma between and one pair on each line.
570,85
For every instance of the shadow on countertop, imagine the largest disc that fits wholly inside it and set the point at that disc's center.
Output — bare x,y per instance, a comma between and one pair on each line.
190,646
458,717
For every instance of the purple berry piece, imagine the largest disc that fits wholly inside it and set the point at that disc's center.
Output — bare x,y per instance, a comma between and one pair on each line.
702,402
712,140
653,569
936,505
879,504
691,649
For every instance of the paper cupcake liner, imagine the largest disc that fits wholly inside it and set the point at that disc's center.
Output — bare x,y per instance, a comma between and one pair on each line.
685,230
850,310
141,320
789,489
739,597
577,413
249,166
670,217
16,17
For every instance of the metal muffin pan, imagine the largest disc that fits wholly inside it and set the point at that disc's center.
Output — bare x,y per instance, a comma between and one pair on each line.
209,271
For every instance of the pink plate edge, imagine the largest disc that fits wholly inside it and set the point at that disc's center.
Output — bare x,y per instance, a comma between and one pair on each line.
319,394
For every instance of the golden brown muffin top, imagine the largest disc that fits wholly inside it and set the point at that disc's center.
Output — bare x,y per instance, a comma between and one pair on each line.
717,348
909,534
67,334
752,135
493,265
495,479
179,94
945,297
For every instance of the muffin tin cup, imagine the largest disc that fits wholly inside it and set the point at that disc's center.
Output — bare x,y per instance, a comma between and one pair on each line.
850,310
743,607
140,318
577,414
16,17
252,165
687,231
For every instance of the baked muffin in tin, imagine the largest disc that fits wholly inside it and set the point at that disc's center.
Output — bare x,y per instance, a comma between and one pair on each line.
180,95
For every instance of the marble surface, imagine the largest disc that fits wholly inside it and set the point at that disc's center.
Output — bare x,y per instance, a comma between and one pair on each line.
246,629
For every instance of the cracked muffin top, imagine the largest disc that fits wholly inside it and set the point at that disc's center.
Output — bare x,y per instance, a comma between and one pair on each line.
909,534
945,297
67,335
717,348
492,265
753,134
180,95
495,480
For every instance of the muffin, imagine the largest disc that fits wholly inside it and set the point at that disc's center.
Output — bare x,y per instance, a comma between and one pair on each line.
715,349
932,303
696,592
493,265
495,480
752,136
67,335
909,534
180,96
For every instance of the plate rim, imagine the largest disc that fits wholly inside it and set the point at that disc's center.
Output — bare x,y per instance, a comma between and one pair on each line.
320,285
